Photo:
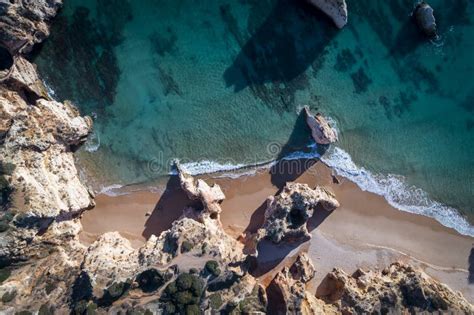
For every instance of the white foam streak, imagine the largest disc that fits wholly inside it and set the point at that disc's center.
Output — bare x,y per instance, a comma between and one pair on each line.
396,191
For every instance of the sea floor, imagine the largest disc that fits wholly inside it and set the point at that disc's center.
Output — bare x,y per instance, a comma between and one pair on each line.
220,84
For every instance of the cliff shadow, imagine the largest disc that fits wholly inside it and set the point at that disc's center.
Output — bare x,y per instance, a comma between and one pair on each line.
286,44
168,209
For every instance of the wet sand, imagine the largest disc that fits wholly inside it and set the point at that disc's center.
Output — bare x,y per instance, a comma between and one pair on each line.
365,232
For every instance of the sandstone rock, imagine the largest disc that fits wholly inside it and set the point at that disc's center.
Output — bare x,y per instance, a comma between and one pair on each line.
289,285
110,259
425,18
209,196
321,131
399,289
25,23
335,9
287,214
38,143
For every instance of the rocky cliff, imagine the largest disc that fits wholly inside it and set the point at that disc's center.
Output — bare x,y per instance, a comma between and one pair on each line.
191,268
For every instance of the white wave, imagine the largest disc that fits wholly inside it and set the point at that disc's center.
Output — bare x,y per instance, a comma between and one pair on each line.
209,167
396,191
112,190
49,90
93,142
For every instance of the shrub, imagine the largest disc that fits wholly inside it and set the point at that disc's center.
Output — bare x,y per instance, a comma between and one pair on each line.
4,274
8,296
46,309
186,246
212,267
151,280
183,295
215,301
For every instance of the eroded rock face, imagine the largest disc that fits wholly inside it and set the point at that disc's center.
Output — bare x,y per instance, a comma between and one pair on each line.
397,289
424,16
321,131
289,285
39,144
287,214
25,23
335,9
209,196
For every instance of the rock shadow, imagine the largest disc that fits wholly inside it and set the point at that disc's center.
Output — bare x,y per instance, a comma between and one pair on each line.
6,59
169,208
287,170
271,255
293,36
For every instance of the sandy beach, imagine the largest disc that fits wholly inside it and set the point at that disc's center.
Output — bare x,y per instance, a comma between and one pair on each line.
365,232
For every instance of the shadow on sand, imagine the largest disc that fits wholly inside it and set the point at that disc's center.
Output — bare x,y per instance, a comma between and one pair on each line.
168,209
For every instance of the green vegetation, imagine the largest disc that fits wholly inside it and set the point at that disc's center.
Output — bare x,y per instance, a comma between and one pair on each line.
46,309
114,292
23,313
212,267
5,219
183,296
4,274
186,247
215,301
85,308
151,280
8,296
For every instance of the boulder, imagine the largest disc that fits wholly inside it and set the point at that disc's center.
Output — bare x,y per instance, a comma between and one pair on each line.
424,16
286,214
321,130
335,9
210,196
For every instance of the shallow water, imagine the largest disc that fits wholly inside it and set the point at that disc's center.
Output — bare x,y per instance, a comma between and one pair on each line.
223,81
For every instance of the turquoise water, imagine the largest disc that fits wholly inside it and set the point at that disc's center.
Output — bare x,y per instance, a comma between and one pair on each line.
223,81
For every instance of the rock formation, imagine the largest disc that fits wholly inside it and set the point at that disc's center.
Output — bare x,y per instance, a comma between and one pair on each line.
287,213
335,9
321,131
289,288
398,289
25,23
193,267
424,16
209,196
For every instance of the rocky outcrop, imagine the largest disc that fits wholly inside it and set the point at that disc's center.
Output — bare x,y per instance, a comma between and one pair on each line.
287,213
289,288
25,23
398,289
335,9
321,130
209,196
424,16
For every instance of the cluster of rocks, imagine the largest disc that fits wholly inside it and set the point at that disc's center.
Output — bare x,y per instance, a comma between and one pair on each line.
191,268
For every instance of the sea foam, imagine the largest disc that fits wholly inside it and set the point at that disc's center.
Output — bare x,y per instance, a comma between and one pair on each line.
396,191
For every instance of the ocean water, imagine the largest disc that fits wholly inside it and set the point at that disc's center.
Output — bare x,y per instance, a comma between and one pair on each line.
220,84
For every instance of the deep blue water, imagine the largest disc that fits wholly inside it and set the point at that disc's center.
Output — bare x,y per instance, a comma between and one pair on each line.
224,81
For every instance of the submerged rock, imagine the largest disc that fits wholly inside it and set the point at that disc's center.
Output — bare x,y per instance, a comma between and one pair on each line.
287,213
424,16
335,9
321,130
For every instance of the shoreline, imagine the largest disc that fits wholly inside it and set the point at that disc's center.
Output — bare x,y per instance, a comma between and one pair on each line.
364,232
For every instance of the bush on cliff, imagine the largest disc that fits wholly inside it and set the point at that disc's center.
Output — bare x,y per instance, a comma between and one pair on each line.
183,296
